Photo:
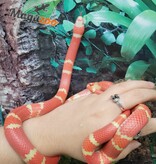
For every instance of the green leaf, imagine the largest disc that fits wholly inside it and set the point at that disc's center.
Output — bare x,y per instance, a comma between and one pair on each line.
120,38
150,4
54,63
59,30
113,8
113,67
140,30
102,16
85,60
151,45
57,13
87,46
80,10
89,50
77,68
130,7
29,7
85,43
91,70
93,6
154,1
108,38
90,34
142,4
90,6
67,25
62,61
136,70
68,5
78,1
68,40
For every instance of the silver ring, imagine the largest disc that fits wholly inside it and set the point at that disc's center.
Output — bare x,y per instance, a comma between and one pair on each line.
116,99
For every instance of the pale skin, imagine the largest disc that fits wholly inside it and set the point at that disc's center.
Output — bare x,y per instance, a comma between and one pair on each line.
63,130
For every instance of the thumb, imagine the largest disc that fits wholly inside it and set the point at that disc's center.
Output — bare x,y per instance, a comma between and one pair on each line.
132,146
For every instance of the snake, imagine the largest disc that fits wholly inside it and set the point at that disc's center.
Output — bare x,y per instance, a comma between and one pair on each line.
101,146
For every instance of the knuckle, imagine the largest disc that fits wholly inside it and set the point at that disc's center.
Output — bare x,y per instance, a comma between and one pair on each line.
139,94
121,85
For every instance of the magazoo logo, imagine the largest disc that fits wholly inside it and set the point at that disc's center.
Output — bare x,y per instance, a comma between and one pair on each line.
16,13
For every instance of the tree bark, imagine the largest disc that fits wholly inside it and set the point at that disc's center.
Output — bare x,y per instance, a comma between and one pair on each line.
25,72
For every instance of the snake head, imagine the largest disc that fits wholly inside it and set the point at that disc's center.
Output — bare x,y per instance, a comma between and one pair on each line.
99,87
94,87
79,26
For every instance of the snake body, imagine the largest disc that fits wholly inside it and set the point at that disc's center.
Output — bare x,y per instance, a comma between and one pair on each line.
13,123
116,135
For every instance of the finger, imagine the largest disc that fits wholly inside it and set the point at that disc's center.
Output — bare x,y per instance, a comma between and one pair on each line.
136,96
132,146
130,99
127,86
149,128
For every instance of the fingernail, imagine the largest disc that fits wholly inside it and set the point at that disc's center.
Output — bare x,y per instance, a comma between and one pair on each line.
151,84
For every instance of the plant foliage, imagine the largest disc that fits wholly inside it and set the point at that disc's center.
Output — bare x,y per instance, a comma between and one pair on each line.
127,23
140,23
135,26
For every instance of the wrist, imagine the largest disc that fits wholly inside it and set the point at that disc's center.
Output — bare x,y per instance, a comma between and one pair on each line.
42,135
7,154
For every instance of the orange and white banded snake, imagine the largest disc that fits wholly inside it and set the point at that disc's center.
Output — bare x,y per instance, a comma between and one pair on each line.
116,136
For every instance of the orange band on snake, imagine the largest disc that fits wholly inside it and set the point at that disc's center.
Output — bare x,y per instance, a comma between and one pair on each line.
117,135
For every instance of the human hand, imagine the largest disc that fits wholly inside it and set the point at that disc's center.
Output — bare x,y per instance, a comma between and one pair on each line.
72,122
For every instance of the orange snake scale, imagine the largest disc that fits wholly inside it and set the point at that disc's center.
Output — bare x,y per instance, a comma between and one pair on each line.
116,135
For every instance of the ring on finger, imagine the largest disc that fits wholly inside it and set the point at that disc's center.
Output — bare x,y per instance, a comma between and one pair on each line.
116,99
